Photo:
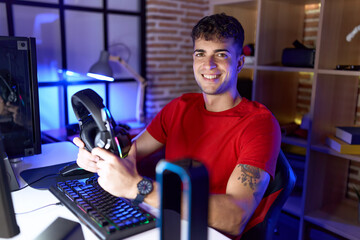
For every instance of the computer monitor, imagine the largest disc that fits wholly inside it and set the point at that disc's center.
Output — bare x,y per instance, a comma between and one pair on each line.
8,224
19,100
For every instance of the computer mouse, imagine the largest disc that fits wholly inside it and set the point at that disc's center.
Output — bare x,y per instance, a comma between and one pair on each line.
72,169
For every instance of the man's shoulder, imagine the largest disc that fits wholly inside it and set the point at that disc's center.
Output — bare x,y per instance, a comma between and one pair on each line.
185,101
254,107
257,113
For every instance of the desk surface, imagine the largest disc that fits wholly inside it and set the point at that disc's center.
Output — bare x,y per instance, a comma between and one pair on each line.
32,223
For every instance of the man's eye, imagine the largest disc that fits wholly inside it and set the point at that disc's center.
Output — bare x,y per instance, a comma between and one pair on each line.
198,54
222,55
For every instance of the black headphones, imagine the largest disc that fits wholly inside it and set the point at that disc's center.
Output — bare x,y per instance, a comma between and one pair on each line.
97,127
12,96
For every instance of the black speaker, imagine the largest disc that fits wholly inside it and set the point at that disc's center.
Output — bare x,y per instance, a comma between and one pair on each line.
62,229
191,178
97,126
8,224
298,57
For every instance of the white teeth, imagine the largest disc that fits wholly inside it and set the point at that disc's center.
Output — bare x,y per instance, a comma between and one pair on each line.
210,76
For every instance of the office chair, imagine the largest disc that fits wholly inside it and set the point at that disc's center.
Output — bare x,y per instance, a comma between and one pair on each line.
278,191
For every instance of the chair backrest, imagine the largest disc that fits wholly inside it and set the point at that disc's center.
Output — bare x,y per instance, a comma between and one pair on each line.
278,191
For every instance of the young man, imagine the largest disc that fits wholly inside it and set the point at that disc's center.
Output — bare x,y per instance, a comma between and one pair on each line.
236,139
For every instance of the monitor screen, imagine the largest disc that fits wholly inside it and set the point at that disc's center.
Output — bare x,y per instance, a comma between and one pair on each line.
8,224
19,100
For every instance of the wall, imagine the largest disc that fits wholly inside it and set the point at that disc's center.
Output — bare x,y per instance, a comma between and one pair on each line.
169,50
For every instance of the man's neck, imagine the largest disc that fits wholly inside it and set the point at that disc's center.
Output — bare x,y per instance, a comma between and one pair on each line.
219,103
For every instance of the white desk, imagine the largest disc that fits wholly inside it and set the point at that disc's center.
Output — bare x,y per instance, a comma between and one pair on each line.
33,223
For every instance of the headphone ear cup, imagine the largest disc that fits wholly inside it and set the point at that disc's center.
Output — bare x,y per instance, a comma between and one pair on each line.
12,97
88,134
103,140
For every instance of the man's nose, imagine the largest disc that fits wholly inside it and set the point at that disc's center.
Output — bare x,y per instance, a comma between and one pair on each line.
210,63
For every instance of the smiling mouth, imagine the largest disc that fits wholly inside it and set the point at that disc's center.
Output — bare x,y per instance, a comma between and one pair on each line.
211,76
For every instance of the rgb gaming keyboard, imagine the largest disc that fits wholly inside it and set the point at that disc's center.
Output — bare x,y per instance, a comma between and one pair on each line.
109,217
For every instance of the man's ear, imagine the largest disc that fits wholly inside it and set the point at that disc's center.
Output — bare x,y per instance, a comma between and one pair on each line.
240,62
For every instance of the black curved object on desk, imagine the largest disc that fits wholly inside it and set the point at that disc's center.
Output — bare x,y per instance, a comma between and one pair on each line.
190,177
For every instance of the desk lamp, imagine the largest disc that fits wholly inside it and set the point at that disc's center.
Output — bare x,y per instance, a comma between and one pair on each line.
101,70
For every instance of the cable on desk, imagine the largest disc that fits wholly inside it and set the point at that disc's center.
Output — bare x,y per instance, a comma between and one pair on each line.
36,209
43,177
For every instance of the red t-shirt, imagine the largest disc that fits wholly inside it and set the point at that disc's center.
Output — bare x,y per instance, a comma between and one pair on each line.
246,134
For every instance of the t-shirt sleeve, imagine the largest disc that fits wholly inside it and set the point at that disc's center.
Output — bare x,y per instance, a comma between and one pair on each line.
159,125
260,143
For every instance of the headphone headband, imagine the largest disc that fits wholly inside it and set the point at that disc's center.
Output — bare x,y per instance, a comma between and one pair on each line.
97,126
87,102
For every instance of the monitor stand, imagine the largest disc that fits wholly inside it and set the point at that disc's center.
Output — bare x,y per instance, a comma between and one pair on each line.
13,182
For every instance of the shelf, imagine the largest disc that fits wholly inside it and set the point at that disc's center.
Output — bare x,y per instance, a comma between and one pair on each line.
248,66
302,2
325,149
225,2
294,141
339,72
329,98
338,218
281,68
244,11
284,68
337,22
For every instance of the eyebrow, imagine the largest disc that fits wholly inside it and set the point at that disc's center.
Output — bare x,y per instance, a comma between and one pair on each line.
216,51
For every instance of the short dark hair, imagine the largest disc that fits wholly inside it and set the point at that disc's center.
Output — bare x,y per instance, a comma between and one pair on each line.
219,26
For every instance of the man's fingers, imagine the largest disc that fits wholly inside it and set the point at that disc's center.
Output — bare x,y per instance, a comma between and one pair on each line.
102,153
78,142
86,160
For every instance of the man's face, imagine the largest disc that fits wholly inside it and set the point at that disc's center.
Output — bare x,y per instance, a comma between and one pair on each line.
216,65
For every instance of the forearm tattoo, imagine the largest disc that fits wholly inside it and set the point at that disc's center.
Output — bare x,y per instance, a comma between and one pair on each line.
249,175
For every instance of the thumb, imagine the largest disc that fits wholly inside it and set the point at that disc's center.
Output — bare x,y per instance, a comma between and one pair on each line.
78,142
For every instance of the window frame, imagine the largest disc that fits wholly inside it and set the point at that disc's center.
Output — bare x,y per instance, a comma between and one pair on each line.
61,7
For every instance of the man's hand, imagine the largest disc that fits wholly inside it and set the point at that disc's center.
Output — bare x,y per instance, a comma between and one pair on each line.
85,159
117,176
14,110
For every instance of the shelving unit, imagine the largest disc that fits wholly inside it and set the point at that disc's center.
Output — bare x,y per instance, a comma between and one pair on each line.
322,208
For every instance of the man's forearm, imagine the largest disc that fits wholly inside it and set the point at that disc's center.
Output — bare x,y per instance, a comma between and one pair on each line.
226,214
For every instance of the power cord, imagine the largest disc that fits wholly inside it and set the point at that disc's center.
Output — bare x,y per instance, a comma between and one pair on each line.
36,209
29,184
